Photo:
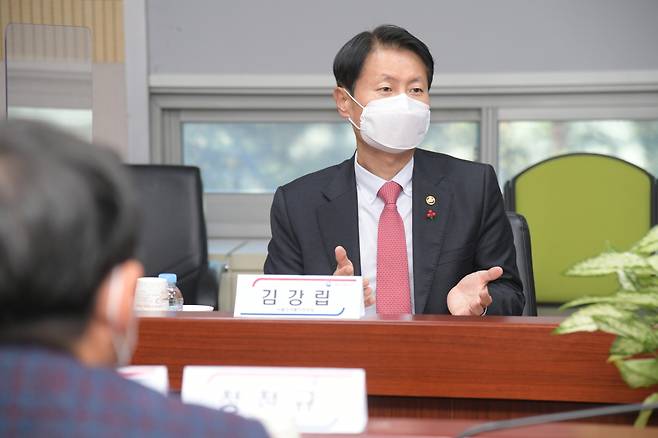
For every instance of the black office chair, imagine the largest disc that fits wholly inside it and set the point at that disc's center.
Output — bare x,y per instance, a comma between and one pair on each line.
172,236
524,261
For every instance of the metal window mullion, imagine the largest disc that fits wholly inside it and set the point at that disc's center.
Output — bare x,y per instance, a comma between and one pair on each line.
258,116
489,136
455,115
299,116
580,113
171,142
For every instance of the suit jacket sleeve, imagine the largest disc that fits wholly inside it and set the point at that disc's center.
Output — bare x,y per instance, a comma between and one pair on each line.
496,248
284,254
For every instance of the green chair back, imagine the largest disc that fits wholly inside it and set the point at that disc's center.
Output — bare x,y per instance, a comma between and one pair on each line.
577,206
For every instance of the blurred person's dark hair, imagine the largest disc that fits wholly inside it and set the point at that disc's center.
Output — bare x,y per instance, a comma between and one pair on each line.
67,217
349,60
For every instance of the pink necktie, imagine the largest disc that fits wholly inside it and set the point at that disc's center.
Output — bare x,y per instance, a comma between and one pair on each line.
393,295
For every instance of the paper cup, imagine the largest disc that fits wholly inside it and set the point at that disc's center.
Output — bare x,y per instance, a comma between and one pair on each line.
151,294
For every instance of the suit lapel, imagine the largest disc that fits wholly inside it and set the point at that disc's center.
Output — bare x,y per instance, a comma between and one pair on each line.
338,218
428,235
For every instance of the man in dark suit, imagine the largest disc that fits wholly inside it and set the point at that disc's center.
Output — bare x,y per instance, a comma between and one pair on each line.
428,232
67,279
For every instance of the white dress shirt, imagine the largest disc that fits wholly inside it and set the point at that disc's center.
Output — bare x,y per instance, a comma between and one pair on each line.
370,208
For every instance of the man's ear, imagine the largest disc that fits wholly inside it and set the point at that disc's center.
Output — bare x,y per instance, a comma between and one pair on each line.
343,102
117,292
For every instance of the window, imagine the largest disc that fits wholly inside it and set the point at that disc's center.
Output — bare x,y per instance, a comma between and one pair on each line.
248,140
259,157
524,143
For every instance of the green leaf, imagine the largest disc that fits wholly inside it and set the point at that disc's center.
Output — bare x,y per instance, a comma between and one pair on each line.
642,299
611,263
576,323
643,418
628,327
585,300
648,244
582,320
639,373
624,347
627,281
628,300
653,262
648,283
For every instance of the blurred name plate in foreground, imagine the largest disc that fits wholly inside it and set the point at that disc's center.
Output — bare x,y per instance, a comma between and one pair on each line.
154,377
315,400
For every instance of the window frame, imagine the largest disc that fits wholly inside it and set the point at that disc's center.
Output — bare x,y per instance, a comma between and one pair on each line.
247,215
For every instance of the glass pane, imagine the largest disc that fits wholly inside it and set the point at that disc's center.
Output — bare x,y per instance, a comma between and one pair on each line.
49,75
459,139
259,157
524,143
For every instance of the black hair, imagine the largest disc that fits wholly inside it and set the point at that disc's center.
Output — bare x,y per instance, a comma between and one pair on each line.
67,217
349,60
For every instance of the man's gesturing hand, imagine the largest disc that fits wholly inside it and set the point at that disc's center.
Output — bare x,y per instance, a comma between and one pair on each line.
345,267
343,264
471,295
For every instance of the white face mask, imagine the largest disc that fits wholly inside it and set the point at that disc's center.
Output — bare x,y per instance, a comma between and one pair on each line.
393,124
123,343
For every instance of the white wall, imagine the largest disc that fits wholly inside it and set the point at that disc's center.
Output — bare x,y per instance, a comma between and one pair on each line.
302,37
110,124
3,97
467,36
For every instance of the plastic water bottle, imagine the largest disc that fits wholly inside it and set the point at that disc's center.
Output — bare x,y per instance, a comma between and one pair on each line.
174,294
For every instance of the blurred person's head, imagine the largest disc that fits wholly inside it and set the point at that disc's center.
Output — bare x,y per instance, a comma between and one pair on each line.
67,236
383,63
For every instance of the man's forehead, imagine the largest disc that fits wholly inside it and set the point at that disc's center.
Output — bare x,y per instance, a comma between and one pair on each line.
393,63
397,77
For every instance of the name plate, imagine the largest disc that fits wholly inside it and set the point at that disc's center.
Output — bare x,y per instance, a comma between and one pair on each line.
316,400
154,377
299,296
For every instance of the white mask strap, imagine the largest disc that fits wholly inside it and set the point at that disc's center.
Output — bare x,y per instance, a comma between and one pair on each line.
355,101
352,97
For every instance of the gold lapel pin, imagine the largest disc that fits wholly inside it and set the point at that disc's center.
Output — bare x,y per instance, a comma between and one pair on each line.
430,200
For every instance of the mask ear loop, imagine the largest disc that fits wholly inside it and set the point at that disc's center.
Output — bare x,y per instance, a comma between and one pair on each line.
355,101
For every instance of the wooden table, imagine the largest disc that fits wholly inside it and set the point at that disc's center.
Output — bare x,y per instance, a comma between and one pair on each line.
416,366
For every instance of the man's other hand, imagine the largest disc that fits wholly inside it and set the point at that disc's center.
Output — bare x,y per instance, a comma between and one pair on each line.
471,295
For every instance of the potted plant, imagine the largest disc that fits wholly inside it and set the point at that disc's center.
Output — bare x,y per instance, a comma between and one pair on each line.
631,314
